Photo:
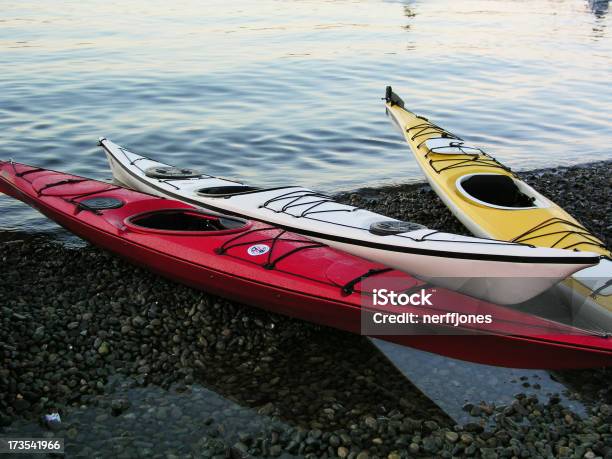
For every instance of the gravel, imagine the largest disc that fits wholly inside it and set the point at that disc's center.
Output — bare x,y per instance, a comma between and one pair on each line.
138,366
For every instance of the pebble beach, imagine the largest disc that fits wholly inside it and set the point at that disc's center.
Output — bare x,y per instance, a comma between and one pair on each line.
138,366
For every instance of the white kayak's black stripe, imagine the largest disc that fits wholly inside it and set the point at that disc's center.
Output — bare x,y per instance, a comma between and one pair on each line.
369,244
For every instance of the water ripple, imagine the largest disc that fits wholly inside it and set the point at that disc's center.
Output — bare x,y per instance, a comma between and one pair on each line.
290,91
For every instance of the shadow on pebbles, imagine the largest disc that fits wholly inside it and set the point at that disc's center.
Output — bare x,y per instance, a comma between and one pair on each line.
138,366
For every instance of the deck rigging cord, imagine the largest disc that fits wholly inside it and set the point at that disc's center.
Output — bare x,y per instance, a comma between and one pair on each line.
578,230
349,287
597,292
133,162
295,196
73,197
270,263
467,157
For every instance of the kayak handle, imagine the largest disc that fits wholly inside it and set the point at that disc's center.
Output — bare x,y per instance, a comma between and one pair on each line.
393,98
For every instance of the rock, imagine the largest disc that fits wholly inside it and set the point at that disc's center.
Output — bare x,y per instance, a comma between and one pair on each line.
5,421
432,426
488,453
343,452
104,348
432,444
240,449
39,333
266,410
473,427
21,405
119,406
451,436
466,438
371,423
139,321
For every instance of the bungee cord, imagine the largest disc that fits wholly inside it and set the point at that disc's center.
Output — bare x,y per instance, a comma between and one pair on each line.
467,157
577,230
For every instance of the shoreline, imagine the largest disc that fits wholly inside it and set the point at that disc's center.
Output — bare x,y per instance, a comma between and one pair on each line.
94,328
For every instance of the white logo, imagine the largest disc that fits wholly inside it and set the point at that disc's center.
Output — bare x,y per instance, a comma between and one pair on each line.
258,249
385,297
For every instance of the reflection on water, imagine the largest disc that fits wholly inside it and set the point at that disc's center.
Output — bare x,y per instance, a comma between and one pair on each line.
453,383
599,7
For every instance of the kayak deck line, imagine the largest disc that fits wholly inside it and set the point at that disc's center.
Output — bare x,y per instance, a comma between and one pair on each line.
465,159
270,263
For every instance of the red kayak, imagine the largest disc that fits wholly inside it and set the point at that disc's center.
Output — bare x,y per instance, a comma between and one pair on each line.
270,268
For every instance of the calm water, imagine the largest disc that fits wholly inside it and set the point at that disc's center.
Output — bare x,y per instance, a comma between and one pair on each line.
289,91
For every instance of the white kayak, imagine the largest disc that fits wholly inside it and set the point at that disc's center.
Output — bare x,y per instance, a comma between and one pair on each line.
498,271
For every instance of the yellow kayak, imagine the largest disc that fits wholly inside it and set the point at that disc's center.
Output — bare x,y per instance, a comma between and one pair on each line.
492,201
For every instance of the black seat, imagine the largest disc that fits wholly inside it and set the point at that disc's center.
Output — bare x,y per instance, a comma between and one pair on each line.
496,189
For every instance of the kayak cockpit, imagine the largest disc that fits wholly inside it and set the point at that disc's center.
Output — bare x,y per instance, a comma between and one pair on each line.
498,191
185,221
227,190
